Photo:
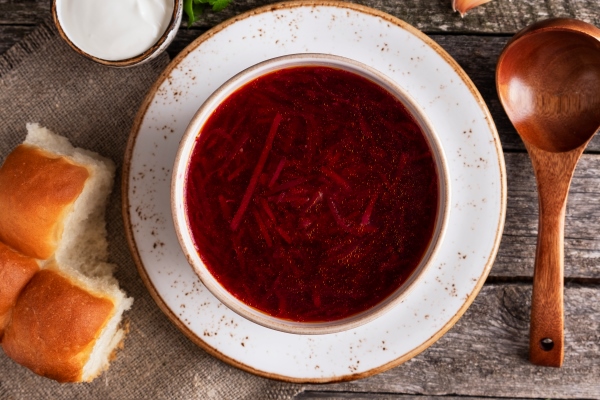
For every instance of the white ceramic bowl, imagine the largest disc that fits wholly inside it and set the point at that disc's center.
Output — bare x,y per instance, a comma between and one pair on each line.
186,147
153,51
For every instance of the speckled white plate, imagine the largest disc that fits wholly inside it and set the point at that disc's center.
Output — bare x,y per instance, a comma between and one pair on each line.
467,135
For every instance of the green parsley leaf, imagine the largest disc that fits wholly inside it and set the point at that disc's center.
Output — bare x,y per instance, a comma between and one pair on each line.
194,8
218,5
199,9
188,7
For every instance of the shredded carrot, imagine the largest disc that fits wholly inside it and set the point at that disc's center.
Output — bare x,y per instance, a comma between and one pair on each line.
367,215
336,177
262,228
257,171
336,215
284,235
277,172
236,173
289,185
268,211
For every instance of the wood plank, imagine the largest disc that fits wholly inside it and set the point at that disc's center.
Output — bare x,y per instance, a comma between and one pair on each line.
12,34
582,228
476,54
485,353
28,12
499,16
313,395
184,37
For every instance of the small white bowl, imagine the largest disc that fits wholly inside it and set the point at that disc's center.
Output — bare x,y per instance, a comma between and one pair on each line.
157,48
186,147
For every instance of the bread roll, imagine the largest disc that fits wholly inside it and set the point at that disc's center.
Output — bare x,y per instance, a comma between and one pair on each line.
62,326
83,246
15,271
65,320
39,189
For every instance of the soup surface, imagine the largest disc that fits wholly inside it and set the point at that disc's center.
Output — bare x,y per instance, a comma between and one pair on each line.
311,194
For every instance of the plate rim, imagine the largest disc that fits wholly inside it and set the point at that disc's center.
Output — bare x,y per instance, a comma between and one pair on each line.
132,140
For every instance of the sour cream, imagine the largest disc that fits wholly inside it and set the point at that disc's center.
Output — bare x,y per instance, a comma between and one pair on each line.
114,30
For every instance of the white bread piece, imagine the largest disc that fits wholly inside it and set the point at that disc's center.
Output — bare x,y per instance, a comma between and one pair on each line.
70,348
83,245
65,326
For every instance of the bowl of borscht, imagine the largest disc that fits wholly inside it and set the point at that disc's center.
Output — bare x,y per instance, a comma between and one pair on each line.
310,193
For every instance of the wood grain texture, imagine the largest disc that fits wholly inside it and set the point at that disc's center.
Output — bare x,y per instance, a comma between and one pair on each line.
498,16
582,226
476,54
313,395
10,35
553,173
486,353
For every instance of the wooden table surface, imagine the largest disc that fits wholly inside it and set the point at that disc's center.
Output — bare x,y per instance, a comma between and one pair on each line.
485,354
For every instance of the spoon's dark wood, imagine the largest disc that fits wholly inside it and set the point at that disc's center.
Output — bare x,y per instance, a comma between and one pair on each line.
548,80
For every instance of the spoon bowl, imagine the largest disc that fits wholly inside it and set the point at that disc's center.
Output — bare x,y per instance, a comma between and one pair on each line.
548,80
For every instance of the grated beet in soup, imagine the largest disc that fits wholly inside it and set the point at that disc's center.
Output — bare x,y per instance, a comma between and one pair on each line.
311,194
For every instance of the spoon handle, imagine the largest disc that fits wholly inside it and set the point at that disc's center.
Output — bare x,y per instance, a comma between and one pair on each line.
546,337
553,172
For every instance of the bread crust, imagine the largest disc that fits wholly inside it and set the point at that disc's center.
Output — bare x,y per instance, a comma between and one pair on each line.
39,188
15,271
54,325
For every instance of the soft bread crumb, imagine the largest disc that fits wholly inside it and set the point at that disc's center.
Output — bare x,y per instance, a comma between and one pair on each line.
125,327
107,343
83,245
83,250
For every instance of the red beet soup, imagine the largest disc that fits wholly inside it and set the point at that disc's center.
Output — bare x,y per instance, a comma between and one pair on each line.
311,194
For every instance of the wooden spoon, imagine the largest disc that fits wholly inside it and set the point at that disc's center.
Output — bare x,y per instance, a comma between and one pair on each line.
548,80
